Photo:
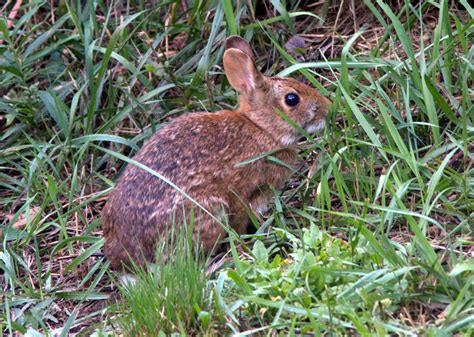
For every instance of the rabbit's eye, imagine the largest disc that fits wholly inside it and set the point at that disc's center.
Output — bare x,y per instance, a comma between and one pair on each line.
292,99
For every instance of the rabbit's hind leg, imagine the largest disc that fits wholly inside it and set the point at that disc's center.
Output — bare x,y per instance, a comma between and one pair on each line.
208,221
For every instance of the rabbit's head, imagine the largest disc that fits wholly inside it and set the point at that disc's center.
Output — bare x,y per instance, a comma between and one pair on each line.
262,96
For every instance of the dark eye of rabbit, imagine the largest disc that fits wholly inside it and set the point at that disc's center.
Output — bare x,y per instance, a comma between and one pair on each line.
292,99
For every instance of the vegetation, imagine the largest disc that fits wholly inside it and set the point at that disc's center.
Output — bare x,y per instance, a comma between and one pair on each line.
170,296
372,235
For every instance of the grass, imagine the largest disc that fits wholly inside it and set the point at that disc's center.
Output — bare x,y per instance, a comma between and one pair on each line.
372,235
172,296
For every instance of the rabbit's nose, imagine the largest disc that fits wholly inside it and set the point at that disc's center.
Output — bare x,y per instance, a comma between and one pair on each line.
327,102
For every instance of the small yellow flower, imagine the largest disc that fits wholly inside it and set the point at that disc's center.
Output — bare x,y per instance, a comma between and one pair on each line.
286,262
386,302
275,298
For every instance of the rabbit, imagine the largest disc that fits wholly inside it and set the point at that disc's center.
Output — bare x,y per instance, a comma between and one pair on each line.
200,152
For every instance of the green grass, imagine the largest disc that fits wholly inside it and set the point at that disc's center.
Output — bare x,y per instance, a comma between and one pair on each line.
172,296
372,235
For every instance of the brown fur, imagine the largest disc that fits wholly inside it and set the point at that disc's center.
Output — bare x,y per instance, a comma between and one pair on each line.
198,152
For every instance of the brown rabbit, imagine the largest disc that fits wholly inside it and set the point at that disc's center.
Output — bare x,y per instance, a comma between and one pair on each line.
199,153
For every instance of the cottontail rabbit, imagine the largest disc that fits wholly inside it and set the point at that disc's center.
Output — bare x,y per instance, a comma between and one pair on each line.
199,153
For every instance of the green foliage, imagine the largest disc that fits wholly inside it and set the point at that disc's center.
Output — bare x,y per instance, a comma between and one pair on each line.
374,238
318,277
172,295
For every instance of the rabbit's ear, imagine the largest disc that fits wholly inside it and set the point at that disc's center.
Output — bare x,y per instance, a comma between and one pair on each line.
238,43
241,71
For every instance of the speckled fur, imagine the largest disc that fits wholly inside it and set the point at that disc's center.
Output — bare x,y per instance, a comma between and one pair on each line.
199,151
